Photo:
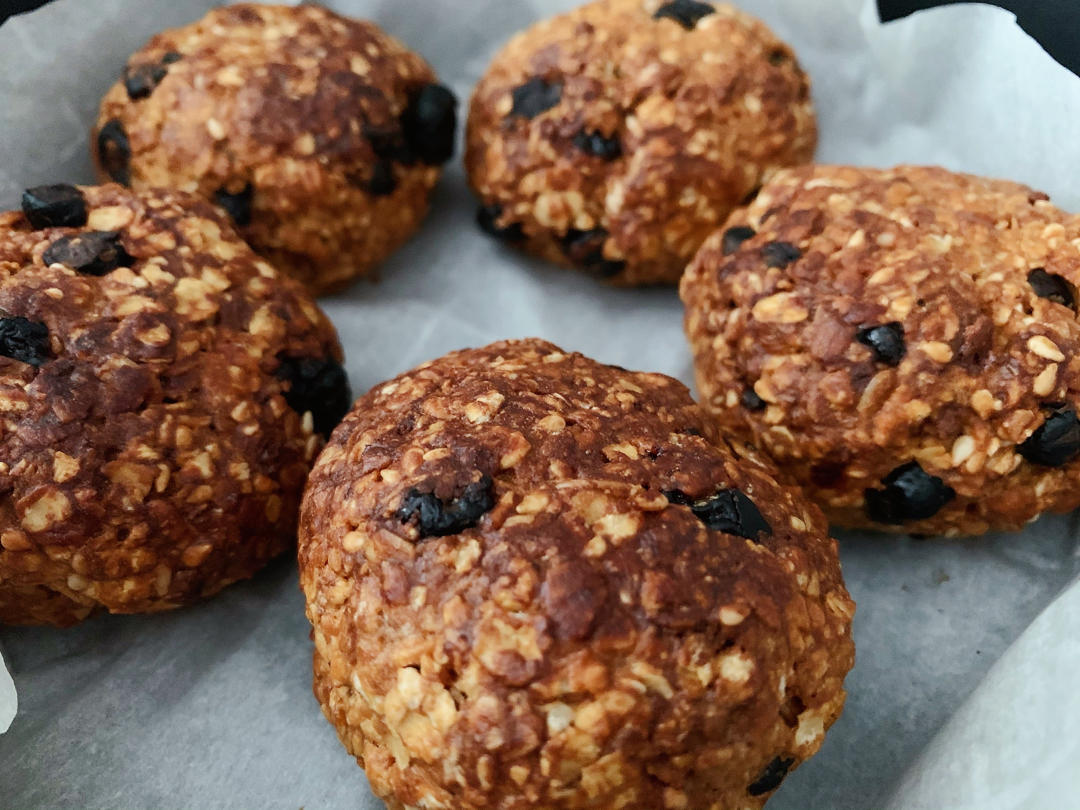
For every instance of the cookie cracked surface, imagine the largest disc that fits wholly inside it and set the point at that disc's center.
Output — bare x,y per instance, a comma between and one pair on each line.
915,364
320,135
149,455
536,581
617,137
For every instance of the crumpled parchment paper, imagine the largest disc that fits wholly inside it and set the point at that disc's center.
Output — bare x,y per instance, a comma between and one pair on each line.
211,706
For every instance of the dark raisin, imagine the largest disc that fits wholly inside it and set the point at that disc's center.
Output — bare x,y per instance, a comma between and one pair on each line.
429,122
886,341
751,401
24,340
910,493
677,496
586,250
55,206
238,205
382,181
686,13
1052,287
597,145
487,217
170,57
772,776
1056,441
734,237
780,254
388,143
437,518
317,385
140,81
778,57
726,510
93,253
535,96
114,151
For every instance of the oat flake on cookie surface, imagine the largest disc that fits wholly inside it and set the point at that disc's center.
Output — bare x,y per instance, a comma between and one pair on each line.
536,581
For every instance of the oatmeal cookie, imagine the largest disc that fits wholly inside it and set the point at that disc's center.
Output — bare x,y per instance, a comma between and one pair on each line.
162,391
616,137
536,581
903,341
321,136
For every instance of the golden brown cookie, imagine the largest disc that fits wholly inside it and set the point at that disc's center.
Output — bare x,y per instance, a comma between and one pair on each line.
616,137
320,135
904,342
536,581
161,394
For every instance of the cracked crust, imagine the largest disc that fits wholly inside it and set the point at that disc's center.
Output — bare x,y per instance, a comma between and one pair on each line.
293,101
582,640
990,346
700,118
151,457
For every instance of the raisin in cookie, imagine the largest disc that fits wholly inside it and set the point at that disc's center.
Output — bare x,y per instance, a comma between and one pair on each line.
905,342
537,581
321,136
162,391
617,137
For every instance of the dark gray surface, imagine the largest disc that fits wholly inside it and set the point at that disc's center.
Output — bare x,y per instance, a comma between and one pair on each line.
1054,23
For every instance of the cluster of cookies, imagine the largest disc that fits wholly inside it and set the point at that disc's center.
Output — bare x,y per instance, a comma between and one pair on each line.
533,580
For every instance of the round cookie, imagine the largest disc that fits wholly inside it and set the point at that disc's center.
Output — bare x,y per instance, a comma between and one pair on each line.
320,135
904,342
536,581
161,393
617,137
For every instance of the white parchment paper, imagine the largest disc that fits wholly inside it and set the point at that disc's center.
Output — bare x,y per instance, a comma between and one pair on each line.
211,706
